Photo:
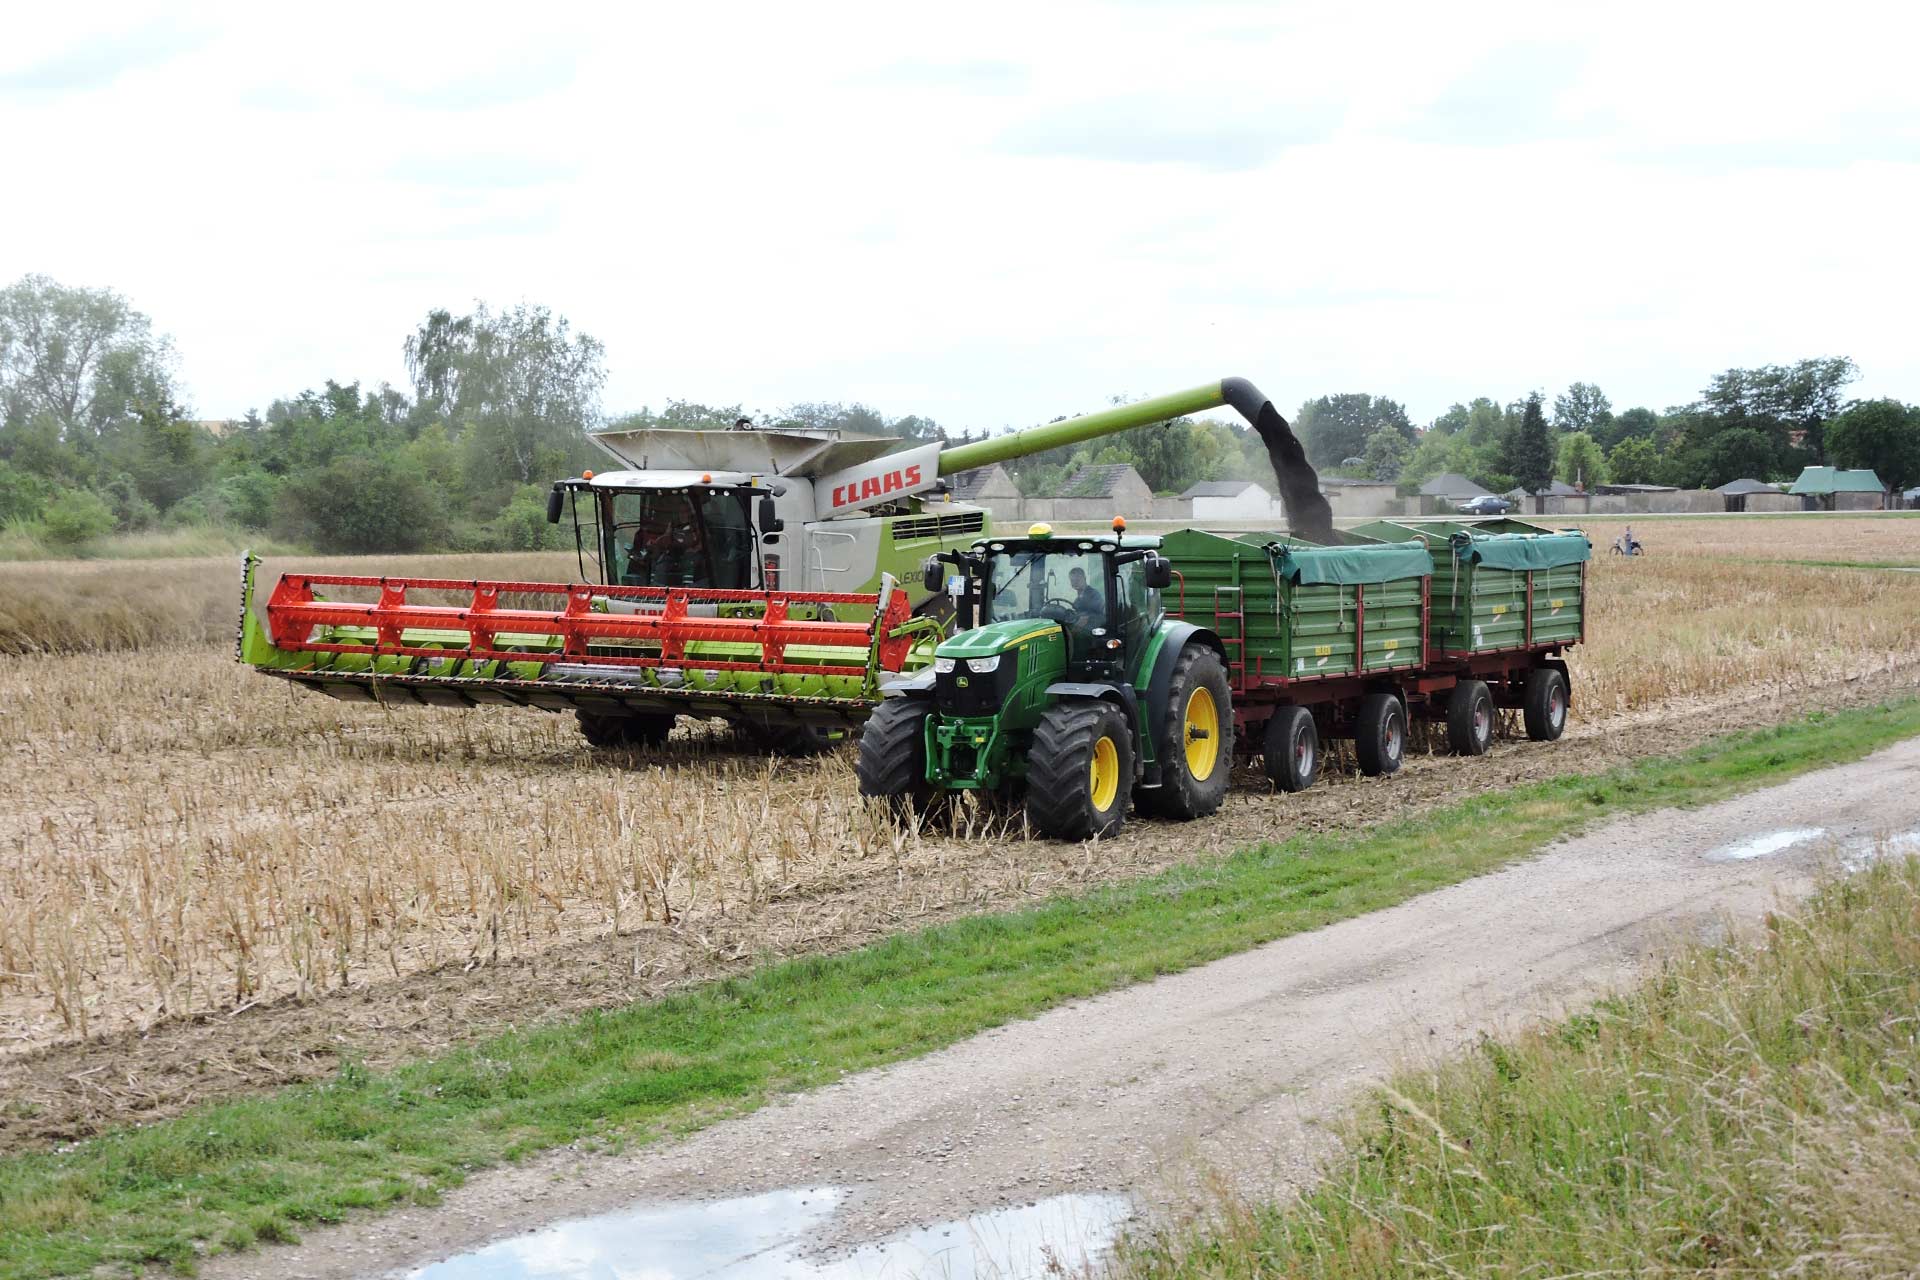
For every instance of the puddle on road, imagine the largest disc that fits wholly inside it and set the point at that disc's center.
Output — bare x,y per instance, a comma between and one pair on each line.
1863,852
1766,845
764,1237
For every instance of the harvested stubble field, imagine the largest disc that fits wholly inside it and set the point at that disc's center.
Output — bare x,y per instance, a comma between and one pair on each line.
210,882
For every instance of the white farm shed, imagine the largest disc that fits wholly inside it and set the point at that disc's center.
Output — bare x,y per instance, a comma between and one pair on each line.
1232,500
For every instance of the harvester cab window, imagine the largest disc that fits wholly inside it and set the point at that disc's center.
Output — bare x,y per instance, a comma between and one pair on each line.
681,538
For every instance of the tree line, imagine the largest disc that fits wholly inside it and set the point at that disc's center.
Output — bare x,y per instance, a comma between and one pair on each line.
1763,424
95,439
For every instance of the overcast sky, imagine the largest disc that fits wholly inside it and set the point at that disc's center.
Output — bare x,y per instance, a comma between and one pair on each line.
987,213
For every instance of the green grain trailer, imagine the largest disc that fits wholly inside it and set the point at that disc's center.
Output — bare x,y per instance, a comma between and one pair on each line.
1320,641
1507,599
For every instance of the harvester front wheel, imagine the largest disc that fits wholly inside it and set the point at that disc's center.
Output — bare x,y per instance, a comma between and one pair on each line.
1292,749
1196,739
1080,771
1380,738
1544,704
892,765
617,730
1470,718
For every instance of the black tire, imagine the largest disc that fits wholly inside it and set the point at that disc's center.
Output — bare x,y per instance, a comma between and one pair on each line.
892,764
1380,739
1544,705
1470,719
1194,783
1060,771
617,730
1291,750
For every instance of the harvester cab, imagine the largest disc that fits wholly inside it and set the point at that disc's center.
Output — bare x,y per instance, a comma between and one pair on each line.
1069,690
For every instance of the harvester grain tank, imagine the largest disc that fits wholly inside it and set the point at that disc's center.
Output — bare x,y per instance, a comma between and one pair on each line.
768,577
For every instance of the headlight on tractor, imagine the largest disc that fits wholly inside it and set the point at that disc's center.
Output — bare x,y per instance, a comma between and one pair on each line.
982,666
943,666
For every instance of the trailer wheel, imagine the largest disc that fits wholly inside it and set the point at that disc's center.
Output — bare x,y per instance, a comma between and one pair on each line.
1470,719
611,732
1080,771
1544,707
892,764
1380,739
1292,749
1196,739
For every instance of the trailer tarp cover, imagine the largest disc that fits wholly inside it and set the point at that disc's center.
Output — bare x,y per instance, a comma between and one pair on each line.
1385,563
1522,550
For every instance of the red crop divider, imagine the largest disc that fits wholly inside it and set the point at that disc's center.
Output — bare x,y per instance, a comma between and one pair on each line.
295,615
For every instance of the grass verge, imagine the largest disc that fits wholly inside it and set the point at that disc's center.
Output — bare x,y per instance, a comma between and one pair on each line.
1748,1110
227,1176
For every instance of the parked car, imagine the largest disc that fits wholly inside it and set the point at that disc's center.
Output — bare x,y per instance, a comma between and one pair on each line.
1486,504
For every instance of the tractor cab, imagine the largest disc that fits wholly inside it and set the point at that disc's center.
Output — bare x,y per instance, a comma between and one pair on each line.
1102,592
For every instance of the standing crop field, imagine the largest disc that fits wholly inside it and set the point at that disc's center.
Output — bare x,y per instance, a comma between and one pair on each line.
184,840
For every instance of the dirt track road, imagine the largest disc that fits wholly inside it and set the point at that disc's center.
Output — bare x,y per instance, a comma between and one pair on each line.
1233,1067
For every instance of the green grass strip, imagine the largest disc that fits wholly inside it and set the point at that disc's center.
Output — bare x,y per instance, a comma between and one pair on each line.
224,1176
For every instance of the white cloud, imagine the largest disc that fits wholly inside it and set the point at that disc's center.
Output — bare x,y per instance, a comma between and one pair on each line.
994,213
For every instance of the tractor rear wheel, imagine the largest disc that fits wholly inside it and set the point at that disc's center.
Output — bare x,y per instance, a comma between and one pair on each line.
624,729
892,764
1196,739
1544,704
1291,751
1470,719
1380,739
1080,771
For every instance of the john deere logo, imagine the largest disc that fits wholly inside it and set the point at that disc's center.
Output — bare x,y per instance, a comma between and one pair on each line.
961,681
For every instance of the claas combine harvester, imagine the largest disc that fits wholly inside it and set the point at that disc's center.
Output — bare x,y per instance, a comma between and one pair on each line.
771,578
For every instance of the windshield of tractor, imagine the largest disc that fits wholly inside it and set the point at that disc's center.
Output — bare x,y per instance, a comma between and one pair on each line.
680,538
1068,587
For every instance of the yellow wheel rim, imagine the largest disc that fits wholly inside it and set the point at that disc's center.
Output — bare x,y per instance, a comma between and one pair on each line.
1105,780
1203,733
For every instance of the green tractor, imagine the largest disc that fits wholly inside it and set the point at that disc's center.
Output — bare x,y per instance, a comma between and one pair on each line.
1069,690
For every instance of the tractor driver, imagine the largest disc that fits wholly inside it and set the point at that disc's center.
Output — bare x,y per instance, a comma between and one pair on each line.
1088,604
667,552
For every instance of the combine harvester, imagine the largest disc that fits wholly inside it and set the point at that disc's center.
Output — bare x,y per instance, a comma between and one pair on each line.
770,578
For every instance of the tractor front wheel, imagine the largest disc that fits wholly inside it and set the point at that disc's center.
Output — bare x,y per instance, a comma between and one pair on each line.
1196,739
612,732
1080,771
892,765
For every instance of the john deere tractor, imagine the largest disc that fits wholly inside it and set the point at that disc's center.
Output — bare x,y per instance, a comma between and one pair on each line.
1068,691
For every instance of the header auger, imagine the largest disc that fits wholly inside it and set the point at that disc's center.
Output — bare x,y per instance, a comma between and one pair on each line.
767,577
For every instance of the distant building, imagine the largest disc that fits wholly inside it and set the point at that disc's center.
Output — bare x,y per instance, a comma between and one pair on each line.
1754,495
1453,487
1362,499
1831,489
1231,500
991,487
1098,493
1551,500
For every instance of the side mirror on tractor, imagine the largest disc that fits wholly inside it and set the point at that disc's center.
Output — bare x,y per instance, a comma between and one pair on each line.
933,575
769,522
556,498
1159,571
